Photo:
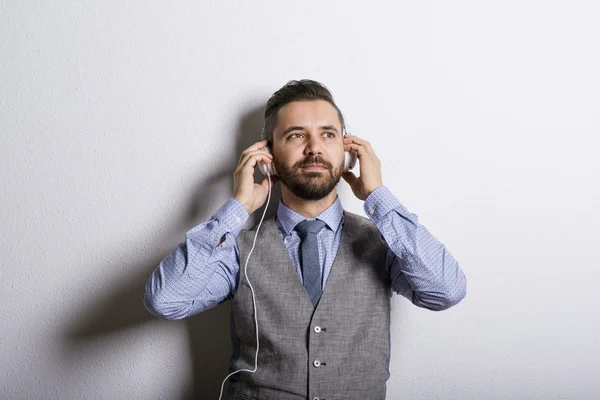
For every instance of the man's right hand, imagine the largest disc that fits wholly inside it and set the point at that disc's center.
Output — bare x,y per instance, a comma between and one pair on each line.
250,194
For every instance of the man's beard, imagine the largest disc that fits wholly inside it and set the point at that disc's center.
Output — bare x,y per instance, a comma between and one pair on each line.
308,185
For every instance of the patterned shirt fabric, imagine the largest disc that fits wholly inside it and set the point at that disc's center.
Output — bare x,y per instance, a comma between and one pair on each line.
198,274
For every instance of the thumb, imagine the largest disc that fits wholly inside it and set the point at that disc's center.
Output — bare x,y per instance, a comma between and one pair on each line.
265,182
349,177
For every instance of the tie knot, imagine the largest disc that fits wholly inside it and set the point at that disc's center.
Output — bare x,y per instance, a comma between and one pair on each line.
305,227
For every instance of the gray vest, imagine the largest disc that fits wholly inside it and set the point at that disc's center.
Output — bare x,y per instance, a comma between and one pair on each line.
337,351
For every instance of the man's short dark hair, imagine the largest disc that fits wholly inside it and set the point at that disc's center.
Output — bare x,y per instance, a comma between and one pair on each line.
302,90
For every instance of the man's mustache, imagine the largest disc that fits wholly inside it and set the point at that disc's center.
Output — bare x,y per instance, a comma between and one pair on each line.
313,160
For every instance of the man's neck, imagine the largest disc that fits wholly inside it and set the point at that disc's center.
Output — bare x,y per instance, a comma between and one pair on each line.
306,208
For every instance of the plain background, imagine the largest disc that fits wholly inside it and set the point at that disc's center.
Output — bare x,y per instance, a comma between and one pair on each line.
122,123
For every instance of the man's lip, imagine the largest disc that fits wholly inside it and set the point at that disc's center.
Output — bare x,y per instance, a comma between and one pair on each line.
314,166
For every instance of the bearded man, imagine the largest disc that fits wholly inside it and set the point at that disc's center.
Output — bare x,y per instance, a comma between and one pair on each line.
315,321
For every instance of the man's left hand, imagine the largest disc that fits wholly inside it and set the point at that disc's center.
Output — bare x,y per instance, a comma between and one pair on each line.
370,168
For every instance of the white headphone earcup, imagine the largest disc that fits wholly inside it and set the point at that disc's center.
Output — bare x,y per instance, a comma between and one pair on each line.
264,168
350,158
267,169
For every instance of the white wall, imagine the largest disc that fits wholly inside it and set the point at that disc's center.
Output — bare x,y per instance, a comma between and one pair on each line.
122,122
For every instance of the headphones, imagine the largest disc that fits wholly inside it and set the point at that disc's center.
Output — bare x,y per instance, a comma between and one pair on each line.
350,158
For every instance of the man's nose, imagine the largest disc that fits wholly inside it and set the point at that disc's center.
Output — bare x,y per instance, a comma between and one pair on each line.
313,145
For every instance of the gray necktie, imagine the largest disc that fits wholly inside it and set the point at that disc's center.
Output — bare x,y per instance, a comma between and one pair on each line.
309,255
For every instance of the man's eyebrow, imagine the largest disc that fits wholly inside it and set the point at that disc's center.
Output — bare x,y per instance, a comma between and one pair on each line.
329,128
300,128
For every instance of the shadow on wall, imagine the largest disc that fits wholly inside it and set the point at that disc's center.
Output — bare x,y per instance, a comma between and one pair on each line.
208,332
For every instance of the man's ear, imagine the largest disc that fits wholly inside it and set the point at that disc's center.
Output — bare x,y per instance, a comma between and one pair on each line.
262,133
270,144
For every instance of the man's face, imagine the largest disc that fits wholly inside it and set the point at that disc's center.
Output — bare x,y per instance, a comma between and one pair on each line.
308,149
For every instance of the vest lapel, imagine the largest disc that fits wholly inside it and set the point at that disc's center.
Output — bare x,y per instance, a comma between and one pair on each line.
288,271
341,258
273,236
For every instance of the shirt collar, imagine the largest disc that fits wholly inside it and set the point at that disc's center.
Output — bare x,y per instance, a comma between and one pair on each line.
288,218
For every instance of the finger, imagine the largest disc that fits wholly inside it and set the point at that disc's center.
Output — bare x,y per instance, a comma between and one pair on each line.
250,161
349,177
254,158
262,155
350,136
255,146
367,145
265,182
258,145
260,151
360,142
360,150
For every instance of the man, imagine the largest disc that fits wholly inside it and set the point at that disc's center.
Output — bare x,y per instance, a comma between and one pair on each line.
322,277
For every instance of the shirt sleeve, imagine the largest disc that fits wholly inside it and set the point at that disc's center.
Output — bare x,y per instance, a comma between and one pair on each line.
420,268
198,274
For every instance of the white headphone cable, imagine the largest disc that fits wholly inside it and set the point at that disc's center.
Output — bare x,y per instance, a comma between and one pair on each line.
253,298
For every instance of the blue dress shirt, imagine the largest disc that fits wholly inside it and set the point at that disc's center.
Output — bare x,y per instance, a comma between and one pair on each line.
198,274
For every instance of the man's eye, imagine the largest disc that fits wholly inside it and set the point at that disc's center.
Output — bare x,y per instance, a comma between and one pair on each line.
329,134
293,135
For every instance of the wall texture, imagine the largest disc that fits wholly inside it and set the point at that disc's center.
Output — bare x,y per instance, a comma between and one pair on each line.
121,124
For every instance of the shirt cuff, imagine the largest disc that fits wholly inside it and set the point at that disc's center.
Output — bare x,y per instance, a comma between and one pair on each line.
231,216
381,201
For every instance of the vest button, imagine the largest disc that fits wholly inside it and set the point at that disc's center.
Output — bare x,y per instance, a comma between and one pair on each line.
318,329
317,363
